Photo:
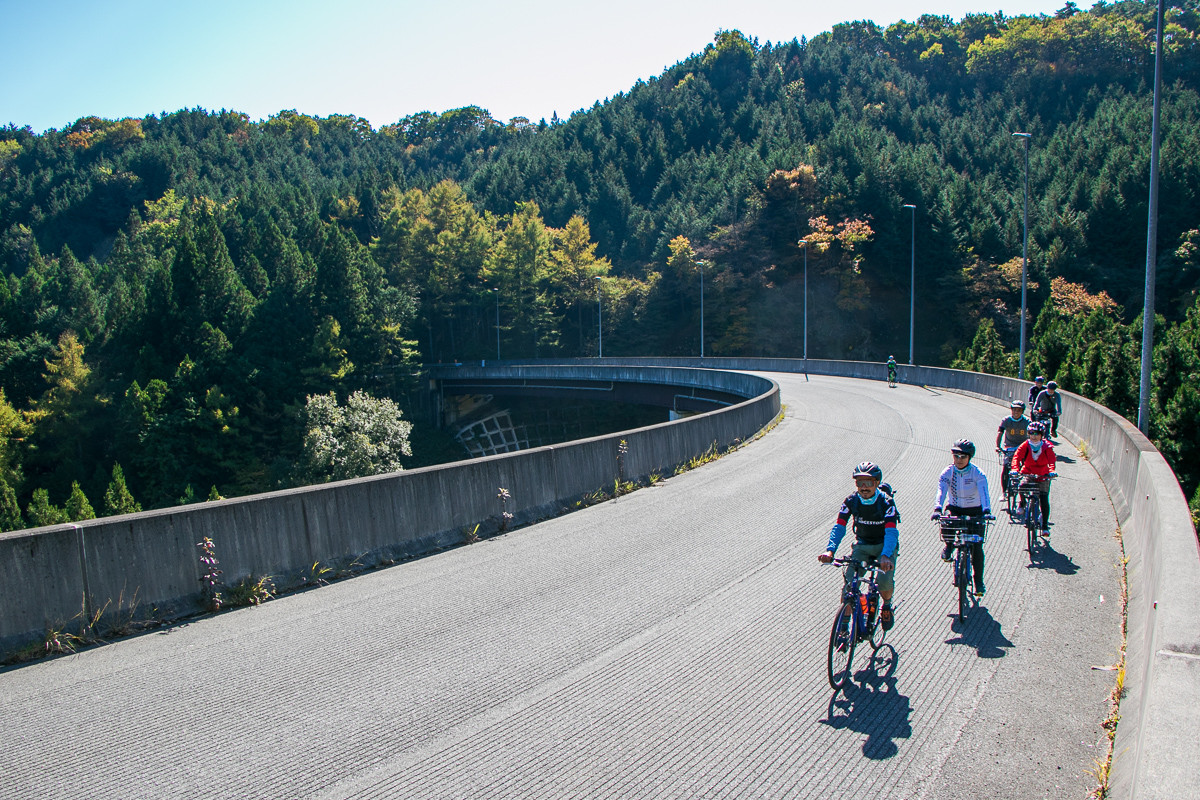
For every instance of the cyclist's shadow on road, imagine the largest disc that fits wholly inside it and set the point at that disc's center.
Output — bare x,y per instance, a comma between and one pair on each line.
1049,558
871,704
983,632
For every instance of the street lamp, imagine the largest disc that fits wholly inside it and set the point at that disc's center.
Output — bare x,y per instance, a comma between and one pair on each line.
497,293
804,247
701,265
1024,258
1143,421
912,292
600,315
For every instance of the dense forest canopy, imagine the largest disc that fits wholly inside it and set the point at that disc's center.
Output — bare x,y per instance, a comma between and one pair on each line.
188,296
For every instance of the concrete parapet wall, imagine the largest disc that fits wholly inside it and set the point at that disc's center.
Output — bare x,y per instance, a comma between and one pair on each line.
147,564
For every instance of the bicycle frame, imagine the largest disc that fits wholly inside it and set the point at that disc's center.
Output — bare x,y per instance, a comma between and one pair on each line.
860,581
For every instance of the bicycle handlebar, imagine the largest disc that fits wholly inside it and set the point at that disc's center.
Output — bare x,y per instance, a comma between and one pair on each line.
842,561
945,518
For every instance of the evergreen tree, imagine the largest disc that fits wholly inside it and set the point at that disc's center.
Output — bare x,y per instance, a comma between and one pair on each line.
10,512
117,497
78,508
41,511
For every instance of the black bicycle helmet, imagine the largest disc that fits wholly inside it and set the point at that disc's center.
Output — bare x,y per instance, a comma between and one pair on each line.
868,470
1017,404
1039,379
887,489
964,446
1052,385
1038,428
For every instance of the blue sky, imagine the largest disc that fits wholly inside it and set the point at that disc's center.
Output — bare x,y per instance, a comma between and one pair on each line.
382,60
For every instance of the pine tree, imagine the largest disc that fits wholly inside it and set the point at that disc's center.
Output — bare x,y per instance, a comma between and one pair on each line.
117,497
78,508
10,512
41,511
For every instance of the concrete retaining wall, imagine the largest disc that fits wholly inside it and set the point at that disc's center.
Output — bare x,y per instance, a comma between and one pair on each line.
147,564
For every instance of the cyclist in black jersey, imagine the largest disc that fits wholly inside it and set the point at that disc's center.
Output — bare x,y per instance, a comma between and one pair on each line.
875,532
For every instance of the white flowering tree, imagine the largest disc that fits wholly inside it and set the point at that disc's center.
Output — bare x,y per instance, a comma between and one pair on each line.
364,437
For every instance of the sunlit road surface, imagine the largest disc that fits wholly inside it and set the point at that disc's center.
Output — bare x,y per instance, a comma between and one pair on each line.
668,644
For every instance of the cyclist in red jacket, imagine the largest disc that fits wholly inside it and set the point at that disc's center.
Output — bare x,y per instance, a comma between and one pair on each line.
1035,459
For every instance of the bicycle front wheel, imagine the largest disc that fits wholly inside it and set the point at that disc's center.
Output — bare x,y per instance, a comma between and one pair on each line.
964,580
841,646
878,634
1033,524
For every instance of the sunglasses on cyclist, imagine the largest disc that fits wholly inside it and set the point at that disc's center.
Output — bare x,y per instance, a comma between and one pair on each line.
865,483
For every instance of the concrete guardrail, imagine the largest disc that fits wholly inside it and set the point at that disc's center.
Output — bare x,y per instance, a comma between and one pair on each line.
146,565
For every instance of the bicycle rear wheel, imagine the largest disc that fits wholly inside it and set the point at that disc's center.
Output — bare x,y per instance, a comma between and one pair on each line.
841,646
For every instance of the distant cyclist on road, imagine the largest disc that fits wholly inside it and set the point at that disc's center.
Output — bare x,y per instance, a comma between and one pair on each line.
1013,430
1035,459
891,366
963,492
1048,403
875,532
1039,384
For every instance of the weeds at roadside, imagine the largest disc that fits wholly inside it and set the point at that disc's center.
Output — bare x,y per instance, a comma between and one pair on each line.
1102,768
251,591
210,576
1084,449
351,567
505,515
317,575
470,535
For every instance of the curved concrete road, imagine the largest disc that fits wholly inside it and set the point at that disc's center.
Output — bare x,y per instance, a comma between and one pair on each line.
670,643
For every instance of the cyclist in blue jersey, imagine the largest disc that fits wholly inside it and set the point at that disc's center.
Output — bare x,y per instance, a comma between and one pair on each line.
875,532
1048,404
963,492
1039,384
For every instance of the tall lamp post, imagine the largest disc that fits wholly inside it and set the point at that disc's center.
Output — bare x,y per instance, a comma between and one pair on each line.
1024,257
804,247
701,265
912,277
600,314
497,293
1151,240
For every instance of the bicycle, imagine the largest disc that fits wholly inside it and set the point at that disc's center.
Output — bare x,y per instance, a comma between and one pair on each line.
857,618
892,379
961,533
1031,514
1009,479
1044,417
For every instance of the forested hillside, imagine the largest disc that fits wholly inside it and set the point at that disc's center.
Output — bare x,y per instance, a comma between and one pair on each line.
184,292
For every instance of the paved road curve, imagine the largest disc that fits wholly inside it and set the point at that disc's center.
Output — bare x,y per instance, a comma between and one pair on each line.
669,644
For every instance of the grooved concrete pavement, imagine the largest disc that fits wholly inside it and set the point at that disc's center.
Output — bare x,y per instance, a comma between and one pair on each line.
670,643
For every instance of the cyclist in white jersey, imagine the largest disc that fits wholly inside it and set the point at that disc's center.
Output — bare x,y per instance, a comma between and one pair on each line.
963,492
